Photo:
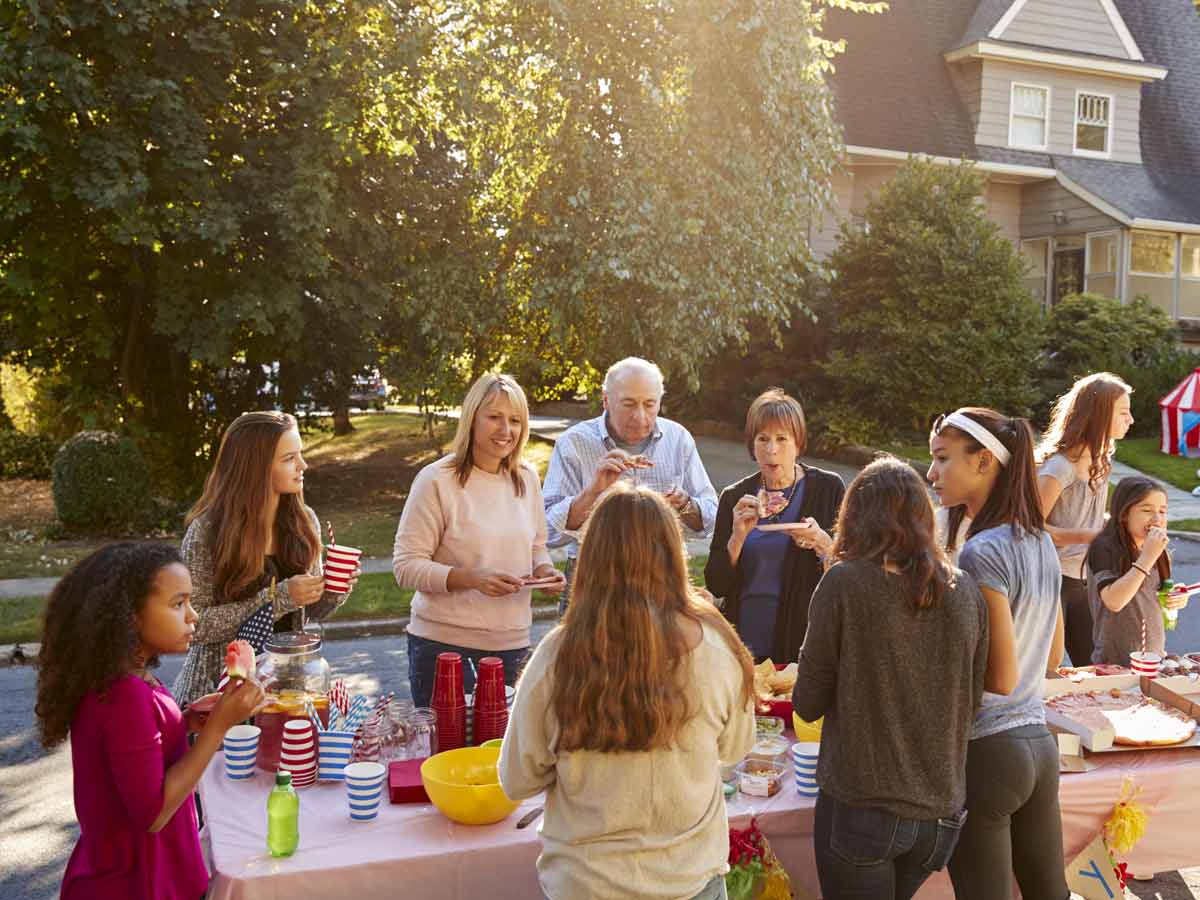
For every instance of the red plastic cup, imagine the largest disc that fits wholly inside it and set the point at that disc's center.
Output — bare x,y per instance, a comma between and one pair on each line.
488,726
339,563
489,685
451,726
448,681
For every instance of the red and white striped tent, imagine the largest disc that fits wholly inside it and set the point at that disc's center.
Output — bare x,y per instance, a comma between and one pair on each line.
1181,417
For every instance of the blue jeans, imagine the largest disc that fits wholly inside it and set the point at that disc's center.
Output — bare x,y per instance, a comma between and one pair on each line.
867,853
422,665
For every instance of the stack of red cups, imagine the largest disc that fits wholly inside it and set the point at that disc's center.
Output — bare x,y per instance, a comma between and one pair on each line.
491,709
449,702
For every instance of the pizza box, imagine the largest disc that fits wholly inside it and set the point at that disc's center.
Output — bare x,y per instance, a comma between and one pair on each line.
1100,740
1179,691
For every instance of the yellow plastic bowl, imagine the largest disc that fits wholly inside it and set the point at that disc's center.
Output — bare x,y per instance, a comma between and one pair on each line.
807,731
463,784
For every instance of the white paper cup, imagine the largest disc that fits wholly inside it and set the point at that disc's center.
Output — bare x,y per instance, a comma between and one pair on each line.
339,563
1146,664
241,748
364,789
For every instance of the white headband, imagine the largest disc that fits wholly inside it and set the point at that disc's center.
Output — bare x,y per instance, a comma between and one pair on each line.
981,434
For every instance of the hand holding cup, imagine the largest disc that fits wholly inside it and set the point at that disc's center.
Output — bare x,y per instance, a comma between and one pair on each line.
305,589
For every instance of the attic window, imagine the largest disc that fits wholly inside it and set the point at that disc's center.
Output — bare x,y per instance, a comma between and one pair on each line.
1093,124
1030,113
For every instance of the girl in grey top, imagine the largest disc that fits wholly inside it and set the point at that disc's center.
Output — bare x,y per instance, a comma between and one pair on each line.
983,469
1076,457
248,531
1128,563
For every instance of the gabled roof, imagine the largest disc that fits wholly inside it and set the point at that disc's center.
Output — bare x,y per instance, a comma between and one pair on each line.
894,91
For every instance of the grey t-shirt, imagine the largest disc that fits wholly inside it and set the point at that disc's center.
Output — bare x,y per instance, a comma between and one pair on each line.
1078,506
898,688
1024,569
1117,634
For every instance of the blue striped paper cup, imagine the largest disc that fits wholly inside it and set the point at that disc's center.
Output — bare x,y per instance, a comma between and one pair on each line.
364,789
240,747
334,751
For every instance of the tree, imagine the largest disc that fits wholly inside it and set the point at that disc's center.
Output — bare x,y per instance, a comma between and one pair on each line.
189,190
927,309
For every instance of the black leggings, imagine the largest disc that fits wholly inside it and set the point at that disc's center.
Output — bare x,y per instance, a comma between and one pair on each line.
1077,621
1013,823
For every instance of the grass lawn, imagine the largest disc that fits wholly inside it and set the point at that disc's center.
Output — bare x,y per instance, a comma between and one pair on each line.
1143,454
918,453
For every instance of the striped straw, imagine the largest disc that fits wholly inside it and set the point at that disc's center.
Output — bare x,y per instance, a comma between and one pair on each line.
1143,635
339,696
357,714
311,711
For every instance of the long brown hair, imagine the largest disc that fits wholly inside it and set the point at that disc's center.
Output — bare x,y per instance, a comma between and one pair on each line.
1082,417
1129,492
887,517
619,679
1014,498
462,457
235,498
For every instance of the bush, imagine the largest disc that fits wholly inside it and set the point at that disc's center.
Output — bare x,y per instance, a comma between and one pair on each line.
101,483
1090,333
25,455
927,308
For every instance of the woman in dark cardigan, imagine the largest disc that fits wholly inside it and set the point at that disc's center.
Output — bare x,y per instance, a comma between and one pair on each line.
767,575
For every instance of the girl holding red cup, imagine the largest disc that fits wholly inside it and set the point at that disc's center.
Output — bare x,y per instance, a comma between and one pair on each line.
252,546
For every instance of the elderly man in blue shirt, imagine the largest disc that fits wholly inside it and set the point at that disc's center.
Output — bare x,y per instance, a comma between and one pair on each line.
629,440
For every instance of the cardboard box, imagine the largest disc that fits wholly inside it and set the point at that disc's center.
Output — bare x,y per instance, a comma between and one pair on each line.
1100,740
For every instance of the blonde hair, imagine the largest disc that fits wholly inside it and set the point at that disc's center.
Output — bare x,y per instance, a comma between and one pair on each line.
619,679
482,392
1082,417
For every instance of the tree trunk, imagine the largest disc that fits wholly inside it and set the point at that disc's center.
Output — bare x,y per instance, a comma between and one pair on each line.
341,420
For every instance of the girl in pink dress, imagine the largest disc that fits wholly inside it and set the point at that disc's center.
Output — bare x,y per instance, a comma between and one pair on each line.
107,622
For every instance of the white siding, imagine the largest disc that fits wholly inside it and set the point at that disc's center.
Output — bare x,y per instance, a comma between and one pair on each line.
992,130
1079,25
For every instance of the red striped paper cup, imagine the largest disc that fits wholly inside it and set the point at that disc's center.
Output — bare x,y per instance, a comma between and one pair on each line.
340,563
1146,664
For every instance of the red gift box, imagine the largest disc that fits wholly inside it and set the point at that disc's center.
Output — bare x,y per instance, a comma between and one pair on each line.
404,782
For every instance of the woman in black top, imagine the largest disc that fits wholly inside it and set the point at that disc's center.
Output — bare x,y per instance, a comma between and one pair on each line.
767,576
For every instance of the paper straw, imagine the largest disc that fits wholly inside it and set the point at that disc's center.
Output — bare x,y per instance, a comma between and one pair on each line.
329,526
339,696
311,711
357,714
1143,635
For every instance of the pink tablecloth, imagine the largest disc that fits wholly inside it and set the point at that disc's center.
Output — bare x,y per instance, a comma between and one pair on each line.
414,845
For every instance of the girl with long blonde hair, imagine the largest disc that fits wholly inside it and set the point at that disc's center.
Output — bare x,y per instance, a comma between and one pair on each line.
472,538
624,713
1075,458
250,529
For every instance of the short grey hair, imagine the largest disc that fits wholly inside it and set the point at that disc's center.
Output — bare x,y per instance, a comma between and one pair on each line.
632,365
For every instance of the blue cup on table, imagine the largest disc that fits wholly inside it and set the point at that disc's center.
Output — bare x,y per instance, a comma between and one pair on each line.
804,762
364,789
241,749
334,749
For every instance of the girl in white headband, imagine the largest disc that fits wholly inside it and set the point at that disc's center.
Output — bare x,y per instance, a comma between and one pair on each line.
983,469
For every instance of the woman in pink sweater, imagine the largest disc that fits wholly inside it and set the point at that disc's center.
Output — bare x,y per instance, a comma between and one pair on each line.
471,538
107,622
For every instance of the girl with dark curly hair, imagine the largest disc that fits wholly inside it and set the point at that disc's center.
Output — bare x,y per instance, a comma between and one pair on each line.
107,622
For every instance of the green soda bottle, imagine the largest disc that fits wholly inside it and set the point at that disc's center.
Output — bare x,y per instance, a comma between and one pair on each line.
283,817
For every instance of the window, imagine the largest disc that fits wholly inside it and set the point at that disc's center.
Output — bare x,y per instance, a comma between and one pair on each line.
1035,252
1030,115
1152,268
1093,124
1102,263
1189,287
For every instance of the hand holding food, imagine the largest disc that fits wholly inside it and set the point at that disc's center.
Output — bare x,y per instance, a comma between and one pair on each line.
239,660
238,702
746,514
812,536
305,589
496,584
546,578
771,503
1153,546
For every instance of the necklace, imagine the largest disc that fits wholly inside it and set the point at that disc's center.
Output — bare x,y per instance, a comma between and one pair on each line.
788,494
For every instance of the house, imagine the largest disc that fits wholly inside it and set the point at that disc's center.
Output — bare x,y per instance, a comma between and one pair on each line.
1084,115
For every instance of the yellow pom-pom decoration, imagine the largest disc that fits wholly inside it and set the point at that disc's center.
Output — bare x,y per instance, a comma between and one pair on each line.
1127,823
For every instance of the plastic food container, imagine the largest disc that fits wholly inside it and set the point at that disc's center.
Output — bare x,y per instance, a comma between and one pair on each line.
759,778
770,749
